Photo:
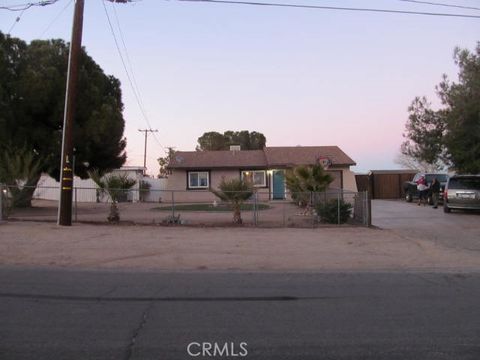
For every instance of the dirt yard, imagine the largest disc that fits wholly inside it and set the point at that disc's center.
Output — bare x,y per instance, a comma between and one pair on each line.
28,243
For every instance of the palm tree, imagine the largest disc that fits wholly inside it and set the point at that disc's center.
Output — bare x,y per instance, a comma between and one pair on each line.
235,192
115,186
20,170
302,181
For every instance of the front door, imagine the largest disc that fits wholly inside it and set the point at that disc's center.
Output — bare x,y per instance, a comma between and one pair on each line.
278,185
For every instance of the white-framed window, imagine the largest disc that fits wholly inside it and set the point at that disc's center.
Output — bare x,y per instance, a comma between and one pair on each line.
257,177
198,180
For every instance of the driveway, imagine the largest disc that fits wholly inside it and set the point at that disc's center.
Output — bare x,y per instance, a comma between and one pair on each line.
459,230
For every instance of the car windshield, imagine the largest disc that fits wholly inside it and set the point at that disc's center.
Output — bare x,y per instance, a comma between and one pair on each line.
472,183
439,177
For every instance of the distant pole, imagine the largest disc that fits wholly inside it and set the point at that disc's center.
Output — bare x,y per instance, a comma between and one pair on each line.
66,173
146,131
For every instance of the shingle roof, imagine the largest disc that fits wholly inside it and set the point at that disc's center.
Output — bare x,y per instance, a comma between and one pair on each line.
285,156
305,155
218,159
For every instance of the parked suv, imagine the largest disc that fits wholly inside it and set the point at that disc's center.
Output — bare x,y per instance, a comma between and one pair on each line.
462,192
410,187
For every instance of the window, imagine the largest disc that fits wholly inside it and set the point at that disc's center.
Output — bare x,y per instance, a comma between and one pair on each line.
256,177
198,180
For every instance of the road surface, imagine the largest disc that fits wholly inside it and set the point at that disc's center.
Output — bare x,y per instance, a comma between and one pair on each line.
72,314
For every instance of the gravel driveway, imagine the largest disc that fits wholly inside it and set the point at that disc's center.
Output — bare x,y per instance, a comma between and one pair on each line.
459,229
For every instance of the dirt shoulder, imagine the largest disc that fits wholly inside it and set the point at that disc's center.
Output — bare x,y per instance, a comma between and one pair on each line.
252,249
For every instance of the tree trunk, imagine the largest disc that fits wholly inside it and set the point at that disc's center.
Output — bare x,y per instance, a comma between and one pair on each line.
114,216
237,216
22,196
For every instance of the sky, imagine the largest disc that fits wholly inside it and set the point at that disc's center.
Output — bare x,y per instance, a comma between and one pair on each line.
299,76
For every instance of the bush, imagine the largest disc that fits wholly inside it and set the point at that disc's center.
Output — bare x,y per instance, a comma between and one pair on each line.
329,211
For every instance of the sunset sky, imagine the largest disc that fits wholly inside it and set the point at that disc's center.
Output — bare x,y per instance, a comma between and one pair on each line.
299,76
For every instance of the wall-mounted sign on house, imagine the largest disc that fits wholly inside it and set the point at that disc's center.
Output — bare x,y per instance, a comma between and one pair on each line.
193,171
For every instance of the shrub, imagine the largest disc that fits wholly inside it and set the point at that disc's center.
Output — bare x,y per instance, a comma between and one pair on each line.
304,180
329,211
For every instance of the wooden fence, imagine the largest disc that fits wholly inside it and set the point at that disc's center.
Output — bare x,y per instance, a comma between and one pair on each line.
384,184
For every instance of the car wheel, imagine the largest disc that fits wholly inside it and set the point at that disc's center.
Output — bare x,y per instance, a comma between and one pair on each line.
446,209
408,197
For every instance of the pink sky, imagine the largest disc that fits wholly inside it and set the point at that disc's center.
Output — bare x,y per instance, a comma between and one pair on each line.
300,77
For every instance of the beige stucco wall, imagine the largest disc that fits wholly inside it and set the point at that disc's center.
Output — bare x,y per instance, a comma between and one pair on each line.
177,182
349,182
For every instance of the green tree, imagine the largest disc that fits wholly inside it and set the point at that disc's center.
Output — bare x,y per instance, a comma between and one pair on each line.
116,187
164,161
424,132
303,181
235,192
212,141
452,133
32,97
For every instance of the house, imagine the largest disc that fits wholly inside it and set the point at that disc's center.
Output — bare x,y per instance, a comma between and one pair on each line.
193,173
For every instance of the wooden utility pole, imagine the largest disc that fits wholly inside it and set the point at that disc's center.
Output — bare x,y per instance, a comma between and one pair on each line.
146,131
66,170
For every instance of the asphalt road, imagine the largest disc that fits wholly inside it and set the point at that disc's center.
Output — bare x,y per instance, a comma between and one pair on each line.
67,314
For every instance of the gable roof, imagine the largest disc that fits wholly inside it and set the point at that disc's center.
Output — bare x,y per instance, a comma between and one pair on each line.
276,156
218,159
305,155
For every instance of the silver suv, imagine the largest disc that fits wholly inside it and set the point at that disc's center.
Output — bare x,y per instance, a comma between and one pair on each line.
462,192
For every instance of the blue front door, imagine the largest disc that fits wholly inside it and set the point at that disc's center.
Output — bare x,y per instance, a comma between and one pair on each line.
278,185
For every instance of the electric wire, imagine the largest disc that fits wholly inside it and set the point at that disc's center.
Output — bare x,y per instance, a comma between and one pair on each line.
17,19
441,4
56,18
137,98
22,7
336,8
129,62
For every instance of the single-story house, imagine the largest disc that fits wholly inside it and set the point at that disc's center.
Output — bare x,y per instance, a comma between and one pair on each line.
193,173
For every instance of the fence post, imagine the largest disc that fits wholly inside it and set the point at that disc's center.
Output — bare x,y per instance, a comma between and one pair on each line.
1,203
173,205
255,209
76,205
284,214
369,208
338,208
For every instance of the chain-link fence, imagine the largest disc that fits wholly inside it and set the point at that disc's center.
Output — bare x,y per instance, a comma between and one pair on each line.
200,207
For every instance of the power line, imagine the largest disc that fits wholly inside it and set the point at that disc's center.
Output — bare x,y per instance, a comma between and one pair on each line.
137,89
17,19
22,7
441,4
137,98
129,62
126,53
319,7
56,18
146,131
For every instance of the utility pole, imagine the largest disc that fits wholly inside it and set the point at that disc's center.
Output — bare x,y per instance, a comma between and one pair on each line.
66,170
146,131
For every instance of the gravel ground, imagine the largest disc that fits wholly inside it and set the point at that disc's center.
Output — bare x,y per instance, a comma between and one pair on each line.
253,249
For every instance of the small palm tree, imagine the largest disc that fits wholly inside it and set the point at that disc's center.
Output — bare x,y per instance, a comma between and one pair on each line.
115,186
20,170
235,192
305,180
